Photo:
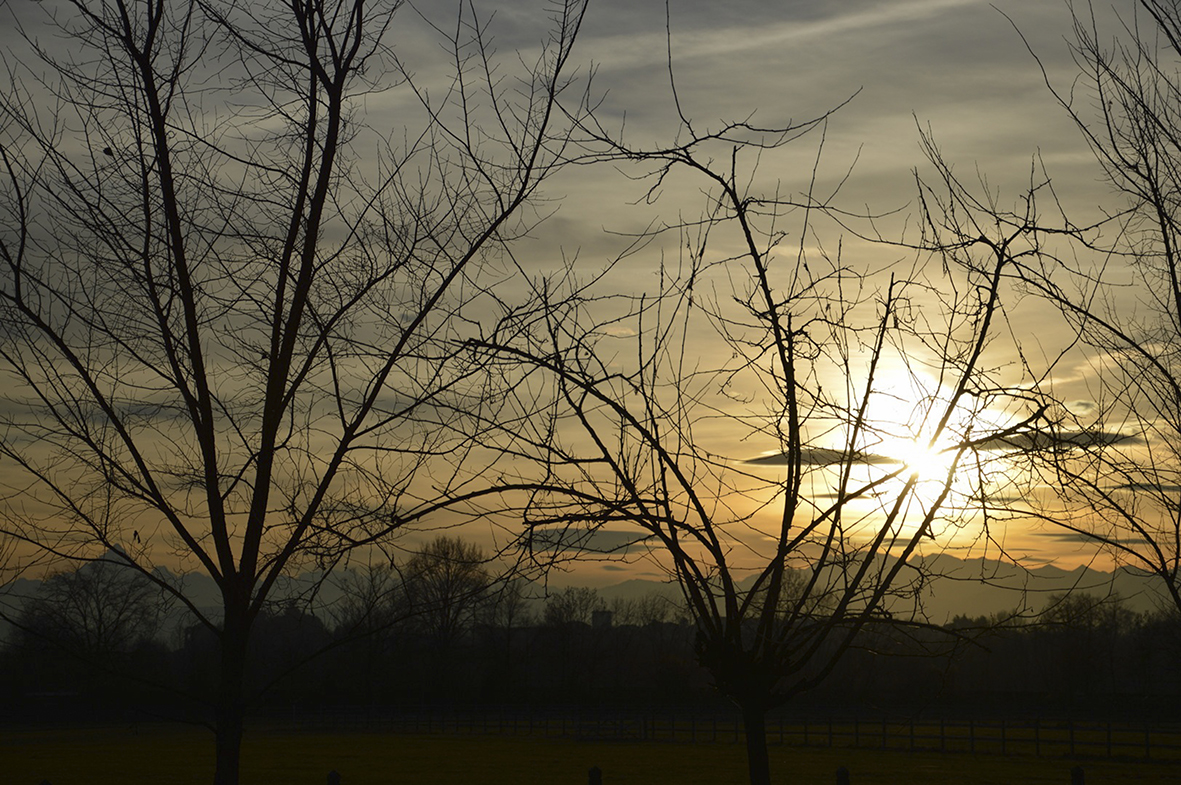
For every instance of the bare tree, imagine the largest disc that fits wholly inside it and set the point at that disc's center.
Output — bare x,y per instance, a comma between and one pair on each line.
1125,493
572,605
508,607
1108,450
446,583
371,600
99,610
651,608
871,390
231,303
369,617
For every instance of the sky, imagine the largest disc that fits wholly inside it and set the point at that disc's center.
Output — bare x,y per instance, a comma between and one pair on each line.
958,67
961,68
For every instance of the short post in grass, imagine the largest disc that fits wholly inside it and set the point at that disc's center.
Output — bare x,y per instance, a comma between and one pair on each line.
594,776
1076,776
333,777
842,776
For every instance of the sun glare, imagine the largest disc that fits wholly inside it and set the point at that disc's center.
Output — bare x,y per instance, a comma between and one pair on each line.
920,458
901,416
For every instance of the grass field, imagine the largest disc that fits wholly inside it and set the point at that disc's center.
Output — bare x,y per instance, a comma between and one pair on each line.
172,756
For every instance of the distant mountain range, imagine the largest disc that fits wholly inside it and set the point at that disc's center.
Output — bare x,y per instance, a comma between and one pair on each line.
979,587
972,588
983,587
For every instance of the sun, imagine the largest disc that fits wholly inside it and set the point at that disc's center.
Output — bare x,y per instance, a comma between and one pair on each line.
903,417
920,458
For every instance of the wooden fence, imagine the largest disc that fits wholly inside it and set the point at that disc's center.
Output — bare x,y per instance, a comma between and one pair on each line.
1036,736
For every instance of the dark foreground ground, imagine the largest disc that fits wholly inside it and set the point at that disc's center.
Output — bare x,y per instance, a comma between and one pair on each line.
168,755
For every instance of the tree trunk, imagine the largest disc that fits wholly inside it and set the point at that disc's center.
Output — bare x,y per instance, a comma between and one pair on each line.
754,723
231,708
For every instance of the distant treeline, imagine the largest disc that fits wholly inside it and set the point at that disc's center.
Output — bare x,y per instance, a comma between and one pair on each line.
440,630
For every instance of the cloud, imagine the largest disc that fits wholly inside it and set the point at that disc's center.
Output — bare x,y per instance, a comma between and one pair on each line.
711,30
1082,408
822,456
620,331
1079,537
595,541
1150,486
1063,439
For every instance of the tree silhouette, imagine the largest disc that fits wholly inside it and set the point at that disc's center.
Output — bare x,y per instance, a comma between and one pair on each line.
572,605
1106,456
759,339
446,584
99,610
232,306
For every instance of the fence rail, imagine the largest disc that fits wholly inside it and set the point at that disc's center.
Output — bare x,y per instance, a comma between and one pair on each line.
1037,736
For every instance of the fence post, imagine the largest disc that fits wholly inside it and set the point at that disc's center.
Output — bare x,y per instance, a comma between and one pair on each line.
1076,776
842,776
594,776
333,777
